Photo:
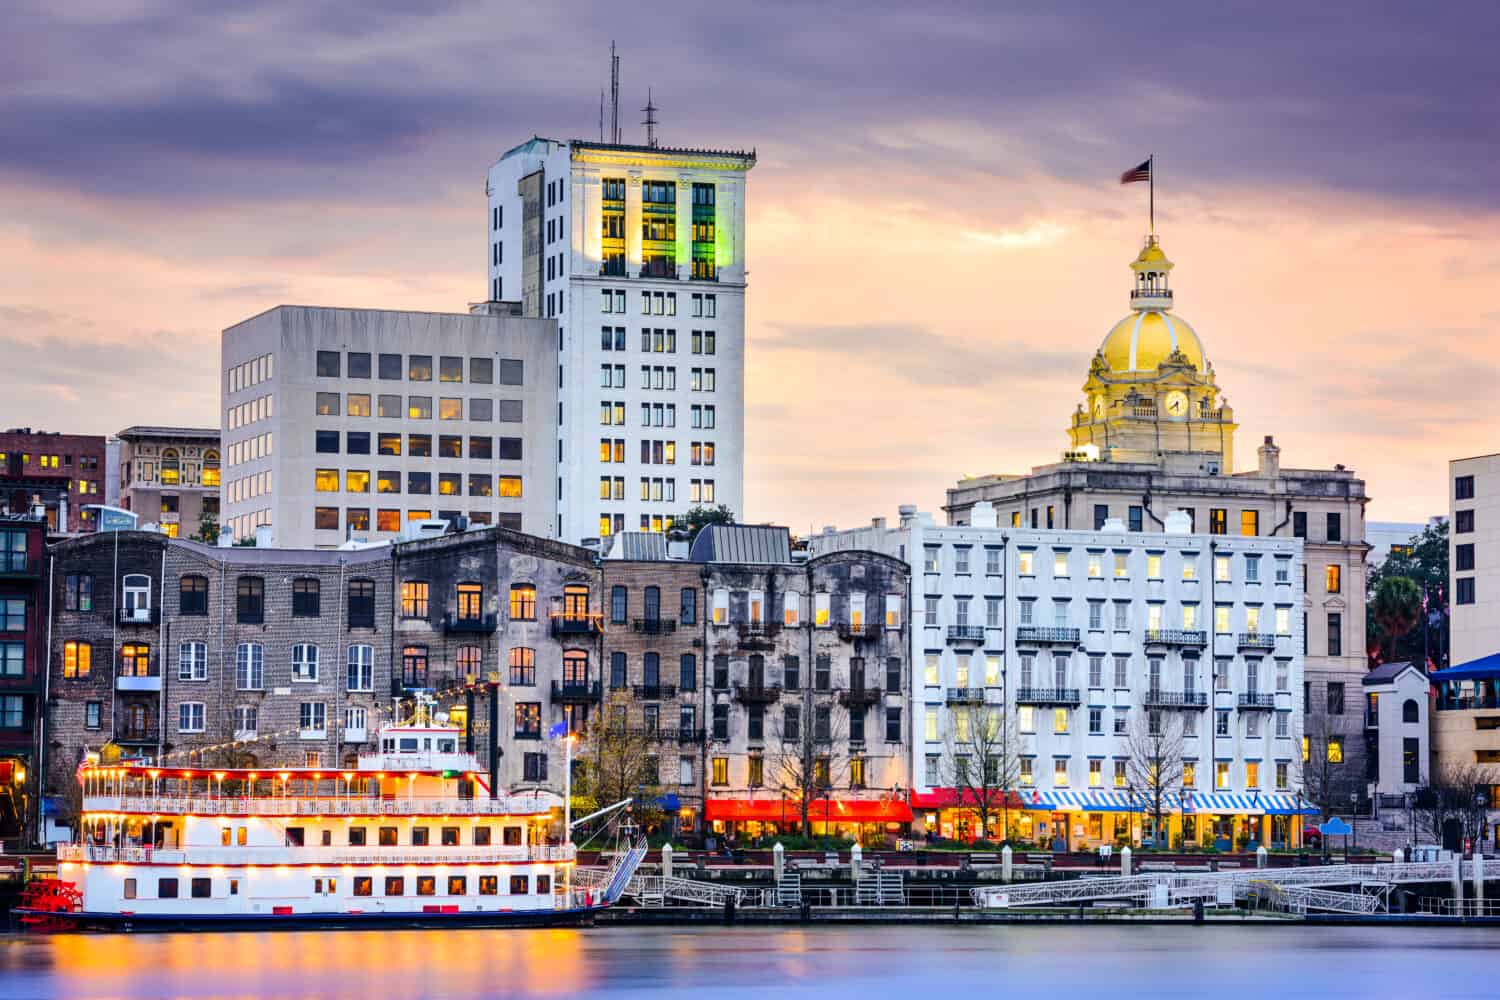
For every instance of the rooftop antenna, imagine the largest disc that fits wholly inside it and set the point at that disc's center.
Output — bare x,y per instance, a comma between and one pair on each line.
650,109
601,116
614,95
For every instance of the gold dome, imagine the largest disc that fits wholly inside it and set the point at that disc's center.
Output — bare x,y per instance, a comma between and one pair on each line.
1143,340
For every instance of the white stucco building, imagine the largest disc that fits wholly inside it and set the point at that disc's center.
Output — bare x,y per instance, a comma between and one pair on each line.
1075,635
341,423
638,253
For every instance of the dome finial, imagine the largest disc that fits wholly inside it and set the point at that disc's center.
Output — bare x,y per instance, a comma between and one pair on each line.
1151,267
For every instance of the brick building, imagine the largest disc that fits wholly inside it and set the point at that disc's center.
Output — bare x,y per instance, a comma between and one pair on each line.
61,472
503,625
653,657
22,635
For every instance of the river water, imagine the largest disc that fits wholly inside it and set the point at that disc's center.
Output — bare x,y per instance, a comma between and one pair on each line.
917,962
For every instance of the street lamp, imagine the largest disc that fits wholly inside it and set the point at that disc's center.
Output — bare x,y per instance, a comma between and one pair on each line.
1353,822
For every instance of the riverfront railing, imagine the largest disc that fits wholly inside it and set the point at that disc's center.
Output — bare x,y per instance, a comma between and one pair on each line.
353,806
261,854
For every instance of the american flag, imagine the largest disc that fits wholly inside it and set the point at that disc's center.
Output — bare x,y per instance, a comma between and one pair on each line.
1135,175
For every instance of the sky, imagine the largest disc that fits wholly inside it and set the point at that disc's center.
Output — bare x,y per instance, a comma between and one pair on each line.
937,239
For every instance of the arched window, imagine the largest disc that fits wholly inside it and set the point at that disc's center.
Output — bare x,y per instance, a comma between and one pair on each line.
210,468
192,595
361,603
250,600
469,660
1410,712
137,597
171,468
523,666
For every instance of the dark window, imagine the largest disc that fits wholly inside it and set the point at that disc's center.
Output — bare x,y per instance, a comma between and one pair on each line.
857,726
357,442
450,836
1463,488
1335,634
361,604
687,673
358,836
617,667
327,442
1411,768
508,411
893,673
79,592
192,595
1335,527
1463,522
721,672
166,888
1137,519
512,372
534,767
1299,524
202,888
1463,591
893,725
651,670
482,835
617,604
481,447
358,364
791,723
250,600
390,367
756,722
822,723
653,604
328,364
306,597
1335,698
1410,711
419,836
520,885
510,449
1101,514
721,722
823,672
482,370
689,613
387,836
791,673
1463,556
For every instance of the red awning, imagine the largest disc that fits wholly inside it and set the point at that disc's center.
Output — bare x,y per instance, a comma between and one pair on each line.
819,810
950,798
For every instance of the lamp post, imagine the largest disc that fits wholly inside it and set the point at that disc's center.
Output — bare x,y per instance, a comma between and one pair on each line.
1353,821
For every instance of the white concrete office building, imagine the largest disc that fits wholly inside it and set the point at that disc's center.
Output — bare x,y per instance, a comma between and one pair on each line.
340,423
1075,635
638,252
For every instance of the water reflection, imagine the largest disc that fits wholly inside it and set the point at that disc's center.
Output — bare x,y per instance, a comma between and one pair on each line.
1118,961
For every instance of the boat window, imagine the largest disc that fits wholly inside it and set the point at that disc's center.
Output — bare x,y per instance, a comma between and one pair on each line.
427,743
512,836
481,836
450,836
520,885
130,888
448,746
387,836
388,745
458,885
226,836
327,838
419,836
242,836
202,888
409,743
357,837
543,884
426,885
395,885
294,836
489,885
234,887
363,885
166,888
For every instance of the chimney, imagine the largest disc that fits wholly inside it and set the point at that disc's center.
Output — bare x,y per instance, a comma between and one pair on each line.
908,512
1270,458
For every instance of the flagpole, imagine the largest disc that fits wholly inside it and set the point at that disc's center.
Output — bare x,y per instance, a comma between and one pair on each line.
1151,184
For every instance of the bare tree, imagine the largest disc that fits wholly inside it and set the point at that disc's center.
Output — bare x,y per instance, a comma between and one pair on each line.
1155,763
617,759
982,762
811,755
1326,780
1458,794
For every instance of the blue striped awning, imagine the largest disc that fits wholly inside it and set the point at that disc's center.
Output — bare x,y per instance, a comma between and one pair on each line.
1119,800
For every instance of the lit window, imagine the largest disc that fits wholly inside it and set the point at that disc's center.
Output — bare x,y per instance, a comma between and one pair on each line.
326,480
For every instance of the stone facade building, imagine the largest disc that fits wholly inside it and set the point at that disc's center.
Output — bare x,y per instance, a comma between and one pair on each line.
168,476
506,626
807,681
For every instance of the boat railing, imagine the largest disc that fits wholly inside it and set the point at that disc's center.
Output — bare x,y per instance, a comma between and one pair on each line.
325,806
260,854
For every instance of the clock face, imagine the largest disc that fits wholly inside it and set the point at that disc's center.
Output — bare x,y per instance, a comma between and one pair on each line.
1176,404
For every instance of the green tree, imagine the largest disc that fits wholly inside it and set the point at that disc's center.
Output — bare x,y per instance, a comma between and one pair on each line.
1424,561
1396,609
208,527
698,518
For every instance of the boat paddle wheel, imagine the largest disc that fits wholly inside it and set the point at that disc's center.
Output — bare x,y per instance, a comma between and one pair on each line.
46,902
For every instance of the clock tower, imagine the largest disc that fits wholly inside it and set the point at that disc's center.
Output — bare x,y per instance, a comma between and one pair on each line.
1150,390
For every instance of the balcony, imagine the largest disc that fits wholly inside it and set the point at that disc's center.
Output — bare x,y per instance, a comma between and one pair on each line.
1189,638
653,692
140,616
850,631
1192,700
1257,640
966,696
686,736
757,635
576,692
757,694
966,633
136,734
353,735
473,624
860,697
1257,702
1041,635
134,682
1063,697
654,626
564,624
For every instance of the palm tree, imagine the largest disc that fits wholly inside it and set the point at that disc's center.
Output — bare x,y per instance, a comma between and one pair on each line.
1397,608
